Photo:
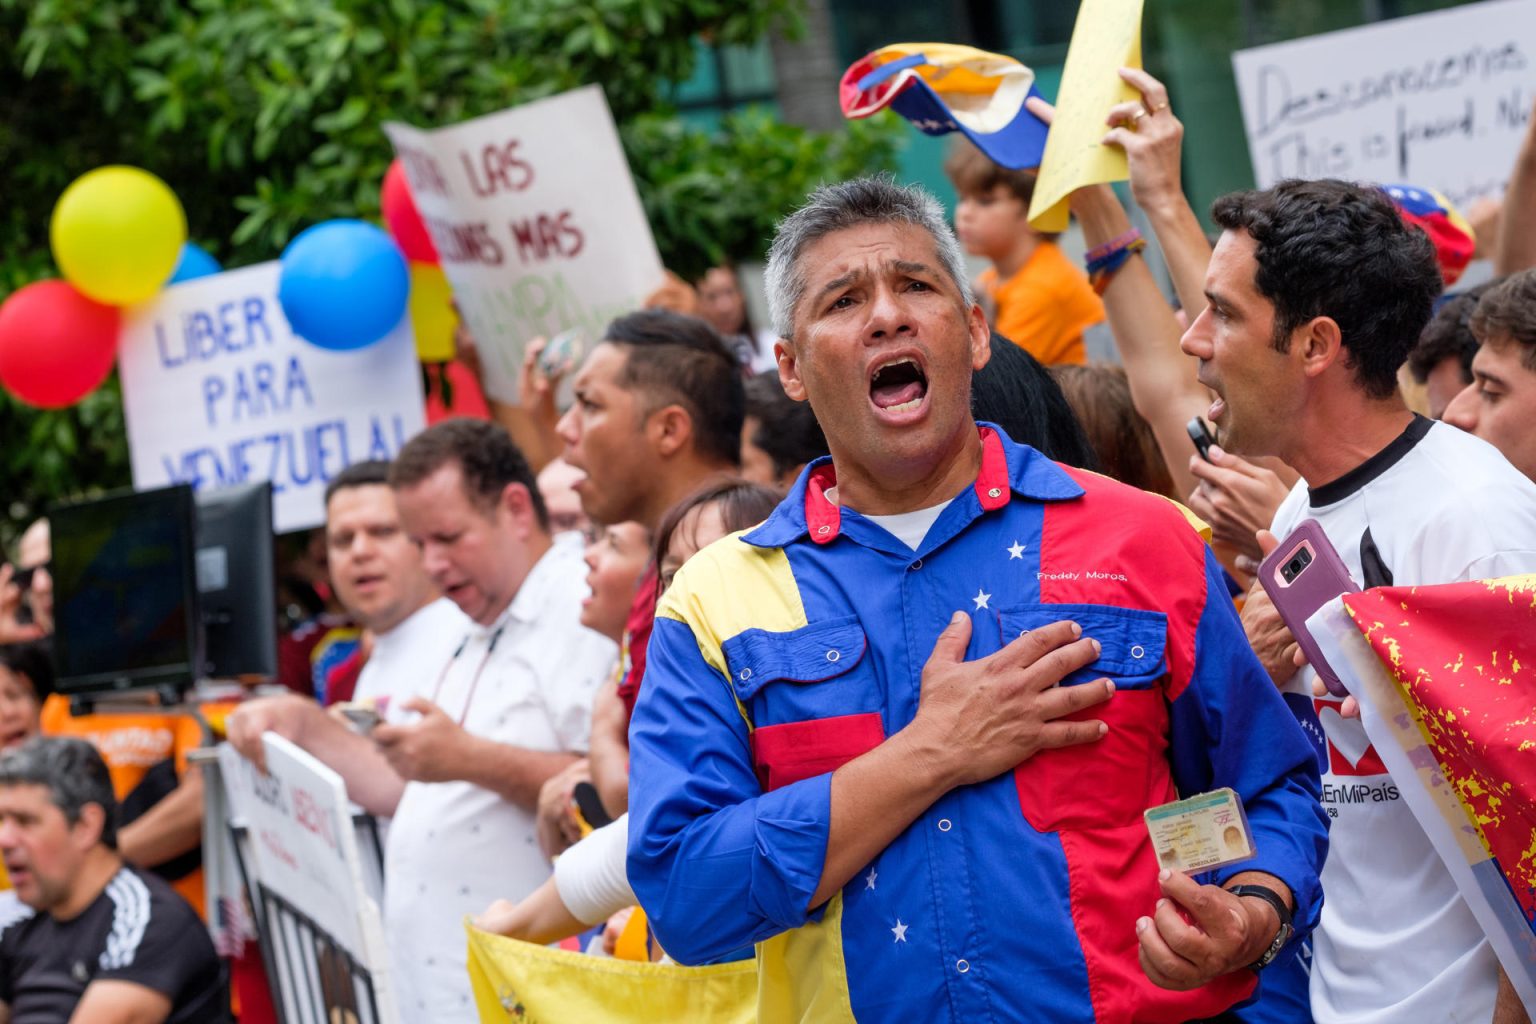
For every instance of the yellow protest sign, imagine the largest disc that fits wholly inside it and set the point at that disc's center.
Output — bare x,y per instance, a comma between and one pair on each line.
1107,37
521,983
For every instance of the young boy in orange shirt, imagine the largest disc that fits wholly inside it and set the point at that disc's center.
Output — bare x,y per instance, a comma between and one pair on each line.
1039,300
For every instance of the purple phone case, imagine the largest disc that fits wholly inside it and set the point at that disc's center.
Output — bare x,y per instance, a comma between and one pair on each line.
1320,581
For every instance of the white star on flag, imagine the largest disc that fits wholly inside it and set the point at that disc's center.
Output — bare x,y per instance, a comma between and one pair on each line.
900,931
981,599
869,879
1017,551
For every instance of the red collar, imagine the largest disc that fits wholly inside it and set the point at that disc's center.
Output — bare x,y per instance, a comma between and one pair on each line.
823,517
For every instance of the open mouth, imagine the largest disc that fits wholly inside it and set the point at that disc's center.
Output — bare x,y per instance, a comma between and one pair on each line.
898,386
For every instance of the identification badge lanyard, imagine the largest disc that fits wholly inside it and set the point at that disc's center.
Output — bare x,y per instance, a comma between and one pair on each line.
474,682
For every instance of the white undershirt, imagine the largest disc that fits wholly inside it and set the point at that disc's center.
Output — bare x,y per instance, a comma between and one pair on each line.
911,527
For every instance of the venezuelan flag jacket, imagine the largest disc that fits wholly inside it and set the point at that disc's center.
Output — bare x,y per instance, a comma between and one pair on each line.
782,653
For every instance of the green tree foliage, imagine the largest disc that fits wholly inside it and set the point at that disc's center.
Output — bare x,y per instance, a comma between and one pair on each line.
264,116
718,196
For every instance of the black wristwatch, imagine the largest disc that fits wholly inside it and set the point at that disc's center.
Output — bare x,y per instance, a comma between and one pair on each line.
1283,936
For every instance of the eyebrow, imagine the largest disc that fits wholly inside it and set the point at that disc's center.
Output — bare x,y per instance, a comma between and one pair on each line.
839,282
1216,299
842,281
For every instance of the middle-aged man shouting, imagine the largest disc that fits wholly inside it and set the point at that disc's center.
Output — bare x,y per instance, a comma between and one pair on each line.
901,735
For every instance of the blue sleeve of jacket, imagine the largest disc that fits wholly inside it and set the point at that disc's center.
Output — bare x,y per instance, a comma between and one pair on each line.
1230,727
717,863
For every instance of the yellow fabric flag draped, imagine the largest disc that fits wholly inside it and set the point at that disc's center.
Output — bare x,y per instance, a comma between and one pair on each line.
522,983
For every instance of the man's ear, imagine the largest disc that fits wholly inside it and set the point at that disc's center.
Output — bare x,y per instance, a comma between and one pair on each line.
981,337
85,833
669,429
517,502
1321,345
789,369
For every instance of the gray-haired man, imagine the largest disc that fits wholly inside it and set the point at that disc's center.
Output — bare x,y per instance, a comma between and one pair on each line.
104,941
895,800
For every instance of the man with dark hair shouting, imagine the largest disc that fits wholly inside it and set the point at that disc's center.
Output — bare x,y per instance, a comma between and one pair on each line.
1315,294
104,942
902,735
657,414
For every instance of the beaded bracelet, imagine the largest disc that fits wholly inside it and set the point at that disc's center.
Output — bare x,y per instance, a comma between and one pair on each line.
1106,259
1100,251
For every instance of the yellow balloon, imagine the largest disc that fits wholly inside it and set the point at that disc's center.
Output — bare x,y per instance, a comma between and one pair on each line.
432,315
117,234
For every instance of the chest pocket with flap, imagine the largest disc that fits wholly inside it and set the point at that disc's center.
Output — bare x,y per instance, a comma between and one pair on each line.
1109,782
1131,640
814,702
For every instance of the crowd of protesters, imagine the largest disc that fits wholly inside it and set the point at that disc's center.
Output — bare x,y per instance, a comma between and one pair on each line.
859,642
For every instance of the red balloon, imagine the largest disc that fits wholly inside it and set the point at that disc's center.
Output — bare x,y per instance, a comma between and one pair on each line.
56,345
402,218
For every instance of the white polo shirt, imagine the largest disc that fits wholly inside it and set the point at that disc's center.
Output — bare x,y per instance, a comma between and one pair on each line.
1396,942
527,680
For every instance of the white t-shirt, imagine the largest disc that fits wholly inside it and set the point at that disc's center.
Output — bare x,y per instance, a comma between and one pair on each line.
454,847
1396,943
409,657
591,876
911,527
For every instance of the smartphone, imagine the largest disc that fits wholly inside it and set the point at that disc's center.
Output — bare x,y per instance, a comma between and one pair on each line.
1201,435
1300,576
590,805
362,717
561,353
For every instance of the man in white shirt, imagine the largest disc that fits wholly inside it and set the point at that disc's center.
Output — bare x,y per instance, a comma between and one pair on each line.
378,578
377,574
459,764
1316,292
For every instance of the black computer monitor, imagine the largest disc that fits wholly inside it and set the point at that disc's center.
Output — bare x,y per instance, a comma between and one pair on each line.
236,581
125,596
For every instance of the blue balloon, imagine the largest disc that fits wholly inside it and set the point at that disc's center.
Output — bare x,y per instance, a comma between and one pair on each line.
194,263
344,284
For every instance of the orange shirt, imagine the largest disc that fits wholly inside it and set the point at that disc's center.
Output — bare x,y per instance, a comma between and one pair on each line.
132,744
1045,307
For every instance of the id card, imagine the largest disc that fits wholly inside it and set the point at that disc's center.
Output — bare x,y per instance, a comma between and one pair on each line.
1205,831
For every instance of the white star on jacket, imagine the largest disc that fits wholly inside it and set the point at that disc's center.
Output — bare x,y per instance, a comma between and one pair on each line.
869,879
1017,551
900,931
981,599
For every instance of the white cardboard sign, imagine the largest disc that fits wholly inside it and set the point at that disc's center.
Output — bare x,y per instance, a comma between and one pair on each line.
1438,100
536,221
218,390
304,849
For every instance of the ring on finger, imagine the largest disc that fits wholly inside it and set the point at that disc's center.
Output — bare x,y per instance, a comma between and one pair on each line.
1136,118
1161,106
